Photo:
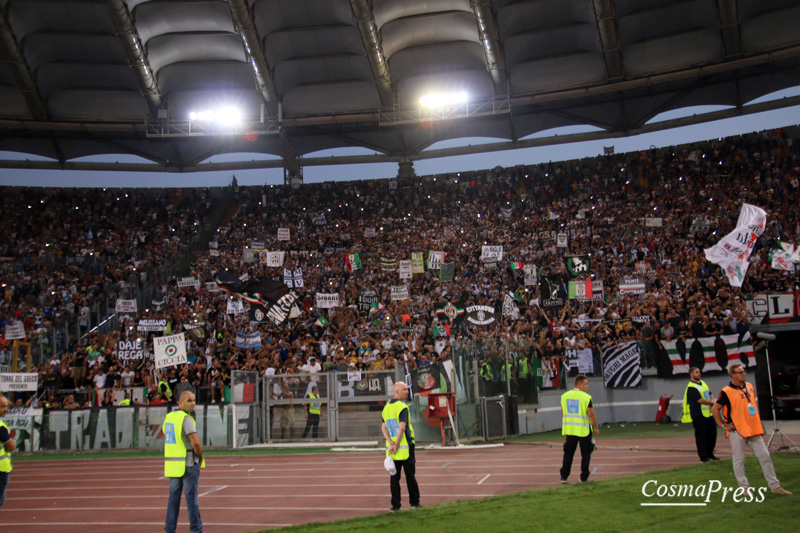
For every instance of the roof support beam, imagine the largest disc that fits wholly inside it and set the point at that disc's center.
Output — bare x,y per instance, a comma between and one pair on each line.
487,28
243,21
729,27
394,158
609,38
134,49
365,21
11,53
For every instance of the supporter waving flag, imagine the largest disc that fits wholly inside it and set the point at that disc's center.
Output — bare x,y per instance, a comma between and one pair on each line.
733,251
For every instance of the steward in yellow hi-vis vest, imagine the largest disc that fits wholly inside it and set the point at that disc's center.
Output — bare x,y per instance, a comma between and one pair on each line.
183,459
697,403
399,435
8,446
579,424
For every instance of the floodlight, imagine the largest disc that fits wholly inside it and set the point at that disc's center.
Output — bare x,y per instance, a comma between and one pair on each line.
227,116
437,100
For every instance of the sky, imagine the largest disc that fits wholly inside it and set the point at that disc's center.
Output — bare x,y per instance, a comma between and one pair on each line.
528,156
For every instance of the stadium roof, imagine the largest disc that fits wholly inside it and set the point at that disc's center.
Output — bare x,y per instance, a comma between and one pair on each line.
89,77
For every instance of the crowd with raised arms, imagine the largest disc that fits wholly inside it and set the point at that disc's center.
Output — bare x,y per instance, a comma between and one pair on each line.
601,204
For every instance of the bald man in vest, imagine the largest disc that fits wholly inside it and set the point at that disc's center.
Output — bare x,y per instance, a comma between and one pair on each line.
183,459
742,425
399,435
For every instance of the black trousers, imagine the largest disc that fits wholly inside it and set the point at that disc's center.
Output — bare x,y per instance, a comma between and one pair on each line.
705,436
409,466
569,452
312,422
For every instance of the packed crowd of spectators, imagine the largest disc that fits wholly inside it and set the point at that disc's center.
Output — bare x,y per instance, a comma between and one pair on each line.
67,253
602,203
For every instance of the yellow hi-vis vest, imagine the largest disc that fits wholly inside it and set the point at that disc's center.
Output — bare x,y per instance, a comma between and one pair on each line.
314,407
123,403
523,367
391,417
705,393
575,418
5,456
174,450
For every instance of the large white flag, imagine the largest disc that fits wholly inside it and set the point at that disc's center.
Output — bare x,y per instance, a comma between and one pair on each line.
733,251
169,350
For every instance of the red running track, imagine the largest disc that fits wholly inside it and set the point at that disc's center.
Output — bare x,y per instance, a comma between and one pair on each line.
246,493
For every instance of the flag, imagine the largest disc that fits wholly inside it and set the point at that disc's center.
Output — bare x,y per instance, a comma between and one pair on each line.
447,272
450,310
352,261
435,260
417,263
707,354
441,331
321,321
580,290
425,378
400,293
733,251
260,291
622,366
515,265
551,292
608,150
577,265
508,305
293,278
320,220
327,301
781,257
632,285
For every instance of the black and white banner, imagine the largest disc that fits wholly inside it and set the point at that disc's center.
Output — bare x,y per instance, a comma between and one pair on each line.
283,234
404,269
130,352
480,315
293,278
152,324
275,259
319,220
365,302
622,366
15,330
369,232
188,282
388,264
17,381
235,307
561,240
492,251
435,260
529,275
400,293
170,350
552,295
125,306
327,301
580,359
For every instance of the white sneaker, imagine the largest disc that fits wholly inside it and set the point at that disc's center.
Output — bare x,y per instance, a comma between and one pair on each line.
213,401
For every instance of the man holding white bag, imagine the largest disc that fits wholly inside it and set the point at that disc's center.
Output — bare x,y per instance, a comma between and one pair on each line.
399,435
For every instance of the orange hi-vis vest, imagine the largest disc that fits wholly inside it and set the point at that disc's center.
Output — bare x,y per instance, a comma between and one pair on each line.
744,410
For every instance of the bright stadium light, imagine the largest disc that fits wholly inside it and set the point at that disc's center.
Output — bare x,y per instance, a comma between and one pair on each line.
439,100
227,116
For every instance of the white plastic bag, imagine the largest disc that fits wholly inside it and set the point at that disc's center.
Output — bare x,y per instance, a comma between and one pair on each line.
388,464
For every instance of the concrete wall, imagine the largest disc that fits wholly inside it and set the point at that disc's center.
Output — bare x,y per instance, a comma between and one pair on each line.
615,405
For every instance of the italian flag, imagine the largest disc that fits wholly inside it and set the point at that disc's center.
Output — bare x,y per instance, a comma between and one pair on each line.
322,321
516,265
352,261
580,290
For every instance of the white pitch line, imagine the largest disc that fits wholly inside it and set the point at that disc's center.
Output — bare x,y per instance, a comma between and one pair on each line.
204,508
484,479
238,496
62,524
214,490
